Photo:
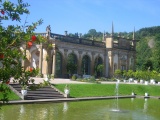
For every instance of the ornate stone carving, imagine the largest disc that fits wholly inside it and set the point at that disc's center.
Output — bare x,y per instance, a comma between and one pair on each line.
80,52
48,29
65,50
109,53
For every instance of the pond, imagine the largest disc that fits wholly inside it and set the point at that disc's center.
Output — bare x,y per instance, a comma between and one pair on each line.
123,109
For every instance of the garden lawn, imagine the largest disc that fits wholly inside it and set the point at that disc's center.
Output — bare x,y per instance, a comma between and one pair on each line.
97,90
10,94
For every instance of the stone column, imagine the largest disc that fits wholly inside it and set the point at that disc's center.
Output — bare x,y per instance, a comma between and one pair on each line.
54,62
127,62
79,67
92,63
23,61
44,63
49,61
110,63
119,60
40,59
28,62
106,64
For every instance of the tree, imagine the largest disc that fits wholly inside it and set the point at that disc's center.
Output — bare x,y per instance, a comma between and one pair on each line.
12,38
118,73
130,73
99,70
143,55
71,68
93,34
156,54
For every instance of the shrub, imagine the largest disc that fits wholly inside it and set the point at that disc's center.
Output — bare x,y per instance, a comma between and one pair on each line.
118,73
74,77
103,79
92,79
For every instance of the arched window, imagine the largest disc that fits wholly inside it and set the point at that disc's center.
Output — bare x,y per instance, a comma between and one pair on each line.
98,67
72,64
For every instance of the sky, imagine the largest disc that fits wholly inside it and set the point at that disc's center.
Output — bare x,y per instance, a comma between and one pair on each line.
82,15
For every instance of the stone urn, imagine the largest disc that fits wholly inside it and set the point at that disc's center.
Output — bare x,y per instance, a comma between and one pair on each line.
152,81
146,82
66,92
24,92
146,94
141,81
118,81
132,93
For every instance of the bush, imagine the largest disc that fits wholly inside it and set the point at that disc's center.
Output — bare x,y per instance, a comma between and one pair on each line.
118,73
79,79
92,79
74,77
103,79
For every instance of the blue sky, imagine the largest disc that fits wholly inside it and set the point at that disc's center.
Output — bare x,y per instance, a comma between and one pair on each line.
83,15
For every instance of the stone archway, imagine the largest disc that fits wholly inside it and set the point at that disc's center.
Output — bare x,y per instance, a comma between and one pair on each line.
86,65
98,62
72,64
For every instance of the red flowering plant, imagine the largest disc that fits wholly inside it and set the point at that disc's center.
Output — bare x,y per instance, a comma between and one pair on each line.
12,38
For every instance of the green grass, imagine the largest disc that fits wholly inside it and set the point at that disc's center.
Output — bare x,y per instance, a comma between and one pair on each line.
10,94
93,90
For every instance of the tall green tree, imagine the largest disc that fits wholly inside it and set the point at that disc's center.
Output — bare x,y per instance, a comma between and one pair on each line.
11,39
93,34
156,54
143,54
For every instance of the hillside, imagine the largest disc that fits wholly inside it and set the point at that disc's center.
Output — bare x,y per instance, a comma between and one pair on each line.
148,51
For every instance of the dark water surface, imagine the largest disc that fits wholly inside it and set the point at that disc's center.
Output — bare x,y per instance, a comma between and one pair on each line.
125,109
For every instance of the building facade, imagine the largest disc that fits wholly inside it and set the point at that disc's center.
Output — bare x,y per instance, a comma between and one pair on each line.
52,57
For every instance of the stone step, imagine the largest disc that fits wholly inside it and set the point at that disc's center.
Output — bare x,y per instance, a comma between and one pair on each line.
42,92
46,92
38,90
39,97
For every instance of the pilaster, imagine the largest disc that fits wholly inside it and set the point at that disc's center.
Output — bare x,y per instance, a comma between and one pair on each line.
92,63
54,62
110,57
79,67
40,59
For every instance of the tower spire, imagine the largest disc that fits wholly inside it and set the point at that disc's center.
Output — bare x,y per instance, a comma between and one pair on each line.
104,36
112,29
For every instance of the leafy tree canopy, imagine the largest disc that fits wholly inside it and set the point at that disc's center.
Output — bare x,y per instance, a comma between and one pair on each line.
14,40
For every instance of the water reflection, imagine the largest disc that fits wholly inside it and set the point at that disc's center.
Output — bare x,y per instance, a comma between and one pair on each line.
145,105
84,110
132,100
22,109
65,107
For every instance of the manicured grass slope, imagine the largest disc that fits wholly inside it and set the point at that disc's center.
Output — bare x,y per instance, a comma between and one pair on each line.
10,94
90,90
93,90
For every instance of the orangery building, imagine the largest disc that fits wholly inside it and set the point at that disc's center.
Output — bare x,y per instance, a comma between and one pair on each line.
62,55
